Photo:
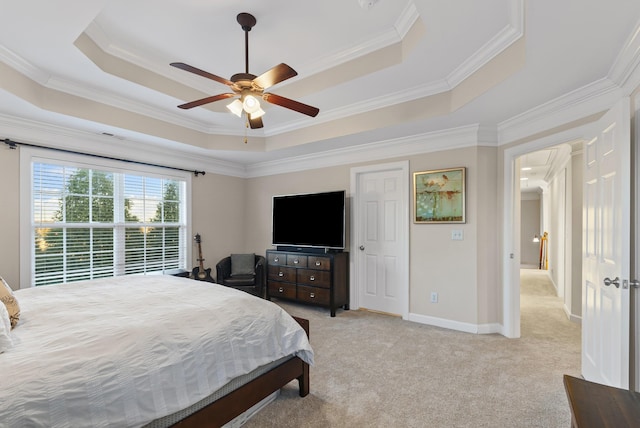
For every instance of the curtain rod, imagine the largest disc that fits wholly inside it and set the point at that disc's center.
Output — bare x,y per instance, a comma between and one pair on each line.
12,145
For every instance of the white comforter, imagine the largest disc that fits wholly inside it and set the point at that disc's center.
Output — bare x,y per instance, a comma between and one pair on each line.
124,351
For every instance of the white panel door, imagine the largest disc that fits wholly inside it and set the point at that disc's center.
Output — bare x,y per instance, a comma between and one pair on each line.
605,298
381,258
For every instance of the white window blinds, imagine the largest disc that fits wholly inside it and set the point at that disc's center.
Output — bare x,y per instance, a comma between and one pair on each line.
89,223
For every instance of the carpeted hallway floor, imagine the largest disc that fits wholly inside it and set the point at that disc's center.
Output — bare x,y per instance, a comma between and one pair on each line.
374,370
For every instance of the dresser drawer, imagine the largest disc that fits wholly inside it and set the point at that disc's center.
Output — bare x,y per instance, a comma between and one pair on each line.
281,289
320,296
276,258
316,278
319,262
296,260
282,273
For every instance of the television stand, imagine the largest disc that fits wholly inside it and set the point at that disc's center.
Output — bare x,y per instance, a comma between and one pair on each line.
308,277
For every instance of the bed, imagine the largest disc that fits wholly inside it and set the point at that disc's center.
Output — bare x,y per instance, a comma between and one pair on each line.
150,351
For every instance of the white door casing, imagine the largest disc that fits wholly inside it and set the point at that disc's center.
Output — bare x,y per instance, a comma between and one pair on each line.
606,250
380,236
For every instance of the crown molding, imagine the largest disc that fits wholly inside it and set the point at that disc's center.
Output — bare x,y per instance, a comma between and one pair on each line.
585,101
622,79
39,133
625,69
23,66
513,31
382,101
430,142
113,100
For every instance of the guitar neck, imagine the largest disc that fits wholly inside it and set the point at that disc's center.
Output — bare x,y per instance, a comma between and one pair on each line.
200,259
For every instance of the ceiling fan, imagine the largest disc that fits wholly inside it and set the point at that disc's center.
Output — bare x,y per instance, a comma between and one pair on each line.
248,86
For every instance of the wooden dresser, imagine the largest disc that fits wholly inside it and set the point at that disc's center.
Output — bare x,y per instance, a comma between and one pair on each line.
315,278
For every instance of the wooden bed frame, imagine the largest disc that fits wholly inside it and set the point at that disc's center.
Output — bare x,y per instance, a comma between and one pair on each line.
242,399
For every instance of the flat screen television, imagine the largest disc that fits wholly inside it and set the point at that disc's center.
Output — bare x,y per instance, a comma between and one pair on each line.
315,220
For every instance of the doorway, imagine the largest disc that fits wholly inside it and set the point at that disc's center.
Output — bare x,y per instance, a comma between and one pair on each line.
550,226
566,259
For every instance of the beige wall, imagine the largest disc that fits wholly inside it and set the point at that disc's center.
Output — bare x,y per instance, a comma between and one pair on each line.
529,226
438,264
464,273
10,216
261,190
234,215
488,243
218,214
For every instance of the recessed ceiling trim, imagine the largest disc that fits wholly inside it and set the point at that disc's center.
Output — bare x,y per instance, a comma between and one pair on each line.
23,66
513,31
406,19
147,61
592,98
422,91
133,106
449,139
79,140
627,62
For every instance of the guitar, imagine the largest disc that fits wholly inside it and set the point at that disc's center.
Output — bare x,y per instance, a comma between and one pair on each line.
199,272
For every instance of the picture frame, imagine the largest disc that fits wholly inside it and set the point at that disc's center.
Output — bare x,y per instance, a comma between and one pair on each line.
439,196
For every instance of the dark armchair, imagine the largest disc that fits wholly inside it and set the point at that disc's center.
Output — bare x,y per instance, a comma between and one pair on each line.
244,272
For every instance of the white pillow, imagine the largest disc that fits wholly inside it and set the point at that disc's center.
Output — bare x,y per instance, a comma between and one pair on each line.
5,330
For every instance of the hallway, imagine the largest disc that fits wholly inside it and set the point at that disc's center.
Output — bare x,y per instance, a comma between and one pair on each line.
542,314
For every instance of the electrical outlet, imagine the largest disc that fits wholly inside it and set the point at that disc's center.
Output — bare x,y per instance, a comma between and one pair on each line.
457,235
434,297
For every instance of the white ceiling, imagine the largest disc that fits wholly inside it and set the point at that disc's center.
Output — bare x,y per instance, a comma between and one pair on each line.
397,69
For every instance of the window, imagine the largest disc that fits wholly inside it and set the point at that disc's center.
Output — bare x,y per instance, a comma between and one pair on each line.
92,221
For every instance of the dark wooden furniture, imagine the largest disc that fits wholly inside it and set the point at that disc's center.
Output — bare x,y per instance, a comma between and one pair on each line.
316,278
595,405
242,399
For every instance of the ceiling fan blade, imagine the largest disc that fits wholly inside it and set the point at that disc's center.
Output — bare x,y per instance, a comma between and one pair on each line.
191,69
255,123
277,74
291,104
206,100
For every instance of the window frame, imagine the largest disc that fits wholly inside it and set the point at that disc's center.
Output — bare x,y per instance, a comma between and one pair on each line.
29,156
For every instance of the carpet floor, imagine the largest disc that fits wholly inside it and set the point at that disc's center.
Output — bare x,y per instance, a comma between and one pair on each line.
374,370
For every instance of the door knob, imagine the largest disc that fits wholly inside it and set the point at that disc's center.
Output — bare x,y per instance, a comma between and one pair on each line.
361,247
608,281
635,283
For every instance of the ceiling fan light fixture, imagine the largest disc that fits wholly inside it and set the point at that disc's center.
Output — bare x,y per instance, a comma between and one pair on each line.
235,107
258,113
249,87
251,104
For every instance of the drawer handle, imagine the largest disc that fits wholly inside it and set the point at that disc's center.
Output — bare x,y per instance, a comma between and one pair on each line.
318,263
296,261
312,295
312,278
280,290
280,274
276,259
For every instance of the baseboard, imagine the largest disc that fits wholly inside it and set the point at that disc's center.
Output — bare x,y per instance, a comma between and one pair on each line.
573,318
456,325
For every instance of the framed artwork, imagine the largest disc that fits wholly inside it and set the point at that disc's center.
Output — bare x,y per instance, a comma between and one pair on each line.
439,196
